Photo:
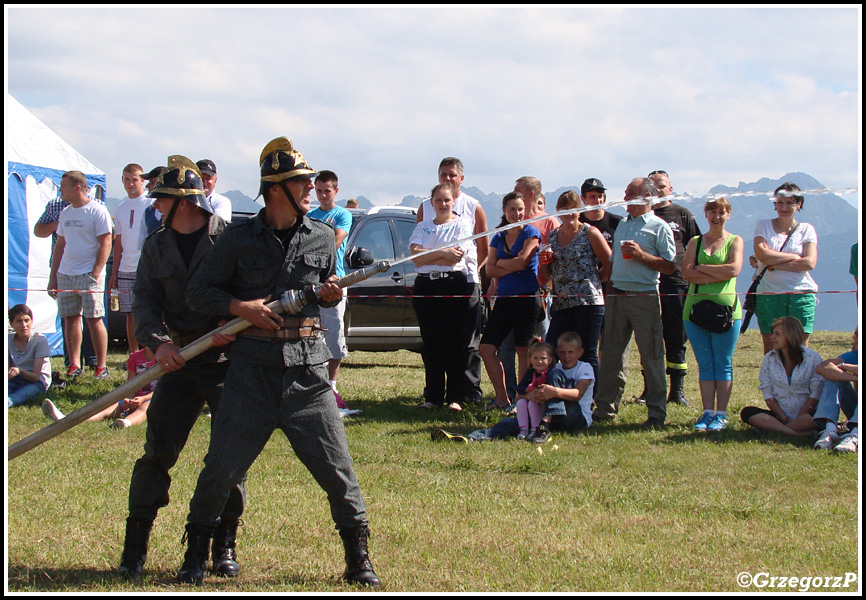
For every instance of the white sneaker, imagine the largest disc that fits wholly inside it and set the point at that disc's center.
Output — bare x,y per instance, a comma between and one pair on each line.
51,411
849,443
827,440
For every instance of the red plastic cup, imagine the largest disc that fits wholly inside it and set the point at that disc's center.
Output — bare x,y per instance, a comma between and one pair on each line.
625,254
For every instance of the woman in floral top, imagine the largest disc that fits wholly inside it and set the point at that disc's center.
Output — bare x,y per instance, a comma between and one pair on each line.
581,262
789,382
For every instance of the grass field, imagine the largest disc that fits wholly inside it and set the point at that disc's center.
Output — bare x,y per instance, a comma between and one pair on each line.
615,509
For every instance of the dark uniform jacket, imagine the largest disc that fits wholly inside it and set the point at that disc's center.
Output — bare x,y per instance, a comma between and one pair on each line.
685,227
249,262
159,307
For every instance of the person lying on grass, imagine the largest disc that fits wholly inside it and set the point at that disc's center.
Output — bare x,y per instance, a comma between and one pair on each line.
129,411
567,396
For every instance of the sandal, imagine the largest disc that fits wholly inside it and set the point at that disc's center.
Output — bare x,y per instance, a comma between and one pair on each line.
427,406
455,407
493,406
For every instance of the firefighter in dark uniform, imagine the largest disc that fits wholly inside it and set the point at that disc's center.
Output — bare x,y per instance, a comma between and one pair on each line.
673,288
164,323
277,376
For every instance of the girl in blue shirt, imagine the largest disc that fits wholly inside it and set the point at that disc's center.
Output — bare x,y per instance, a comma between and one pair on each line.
513,262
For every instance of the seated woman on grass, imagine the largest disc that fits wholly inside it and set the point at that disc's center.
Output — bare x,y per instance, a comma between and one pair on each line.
789,381
29,365
129,411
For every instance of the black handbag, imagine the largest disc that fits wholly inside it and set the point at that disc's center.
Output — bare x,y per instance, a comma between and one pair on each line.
751,301
707,314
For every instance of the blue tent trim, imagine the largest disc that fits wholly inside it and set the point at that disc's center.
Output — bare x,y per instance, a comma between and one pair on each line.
40,174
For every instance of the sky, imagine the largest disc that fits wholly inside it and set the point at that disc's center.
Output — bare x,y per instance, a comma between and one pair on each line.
381,94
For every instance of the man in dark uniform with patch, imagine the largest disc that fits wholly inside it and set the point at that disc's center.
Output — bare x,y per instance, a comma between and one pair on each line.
164,324
277,376
673,288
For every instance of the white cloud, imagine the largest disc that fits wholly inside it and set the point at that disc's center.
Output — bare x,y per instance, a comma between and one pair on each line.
380,95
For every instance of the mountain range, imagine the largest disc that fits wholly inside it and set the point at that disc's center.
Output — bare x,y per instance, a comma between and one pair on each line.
834,219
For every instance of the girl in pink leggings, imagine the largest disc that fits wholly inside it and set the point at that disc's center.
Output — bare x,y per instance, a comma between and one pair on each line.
529,413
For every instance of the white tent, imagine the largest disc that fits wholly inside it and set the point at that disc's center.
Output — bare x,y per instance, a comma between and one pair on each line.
36,159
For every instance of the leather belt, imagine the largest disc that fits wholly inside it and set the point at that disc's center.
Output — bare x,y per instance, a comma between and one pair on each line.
440,274
291,328
618,292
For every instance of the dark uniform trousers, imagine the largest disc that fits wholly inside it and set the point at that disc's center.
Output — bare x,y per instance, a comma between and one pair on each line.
673,299
177,402
256,400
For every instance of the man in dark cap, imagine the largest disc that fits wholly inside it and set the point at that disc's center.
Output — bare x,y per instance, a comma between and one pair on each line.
222,206
592,193
164,323
152,218
277,376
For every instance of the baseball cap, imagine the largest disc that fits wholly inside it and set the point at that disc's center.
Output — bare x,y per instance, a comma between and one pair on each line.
153,173
206,166
591,184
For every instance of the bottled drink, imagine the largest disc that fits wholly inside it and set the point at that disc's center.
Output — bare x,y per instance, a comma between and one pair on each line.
115,300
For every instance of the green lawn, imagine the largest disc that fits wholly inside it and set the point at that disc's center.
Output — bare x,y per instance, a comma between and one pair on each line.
614,509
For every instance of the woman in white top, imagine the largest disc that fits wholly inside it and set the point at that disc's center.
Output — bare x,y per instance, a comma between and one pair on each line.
29,367
786,289
789,382
441,299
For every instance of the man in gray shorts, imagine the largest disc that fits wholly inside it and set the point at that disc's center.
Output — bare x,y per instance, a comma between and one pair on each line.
77,277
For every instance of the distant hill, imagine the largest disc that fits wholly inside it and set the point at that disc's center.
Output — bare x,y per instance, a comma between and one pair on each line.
243,203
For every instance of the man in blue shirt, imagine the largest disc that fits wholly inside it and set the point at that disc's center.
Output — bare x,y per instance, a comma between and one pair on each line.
332,318
643,247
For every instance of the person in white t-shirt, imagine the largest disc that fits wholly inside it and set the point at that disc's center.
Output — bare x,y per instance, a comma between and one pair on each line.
469,209
77,277
443,300
222,206
129,235
790,250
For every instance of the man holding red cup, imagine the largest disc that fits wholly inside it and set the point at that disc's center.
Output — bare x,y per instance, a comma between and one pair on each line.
633,306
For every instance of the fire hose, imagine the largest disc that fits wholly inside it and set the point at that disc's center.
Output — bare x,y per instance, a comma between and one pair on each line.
290,303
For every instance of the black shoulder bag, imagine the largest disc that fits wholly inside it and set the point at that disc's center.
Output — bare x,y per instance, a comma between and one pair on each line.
707,314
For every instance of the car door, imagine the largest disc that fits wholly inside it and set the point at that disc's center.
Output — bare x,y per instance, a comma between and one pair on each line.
376,305
404,225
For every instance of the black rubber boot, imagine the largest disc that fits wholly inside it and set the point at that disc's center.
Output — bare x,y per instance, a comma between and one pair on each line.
135,547
358,567
677,394
225,557
195,560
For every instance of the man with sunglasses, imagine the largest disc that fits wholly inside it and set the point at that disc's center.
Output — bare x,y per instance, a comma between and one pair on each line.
673,288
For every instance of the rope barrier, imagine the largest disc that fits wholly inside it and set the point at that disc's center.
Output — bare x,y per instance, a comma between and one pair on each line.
514,296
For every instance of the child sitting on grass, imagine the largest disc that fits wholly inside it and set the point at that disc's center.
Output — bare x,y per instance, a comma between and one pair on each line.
529,411
567,396
129,411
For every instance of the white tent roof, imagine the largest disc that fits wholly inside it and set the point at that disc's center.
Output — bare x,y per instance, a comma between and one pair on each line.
31,142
